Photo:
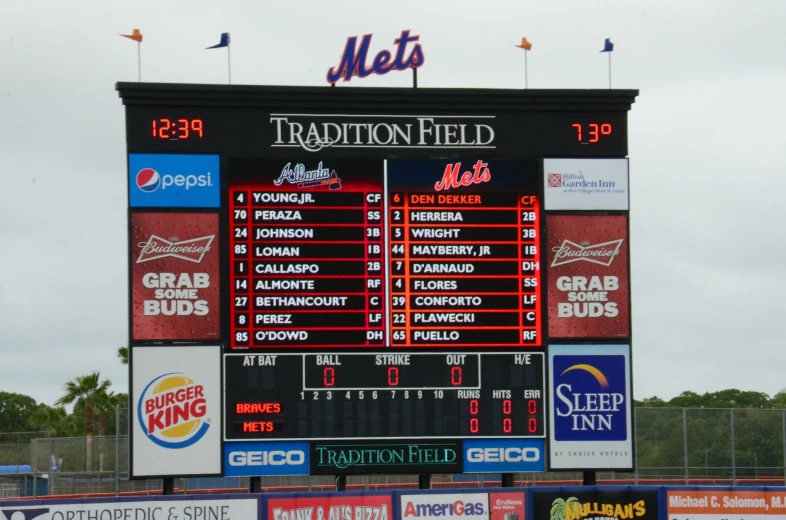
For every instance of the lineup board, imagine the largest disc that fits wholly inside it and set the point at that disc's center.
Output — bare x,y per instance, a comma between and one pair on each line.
400,254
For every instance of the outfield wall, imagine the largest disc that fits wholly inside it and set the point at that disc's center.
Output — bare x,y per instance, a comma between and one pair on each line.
542,503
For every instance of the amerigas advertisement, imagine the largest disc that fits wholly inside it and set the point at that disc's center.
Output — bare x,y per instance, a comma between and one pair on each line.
176,419
192,508
588,289
458,506
586,184
174,276
591,416
462,506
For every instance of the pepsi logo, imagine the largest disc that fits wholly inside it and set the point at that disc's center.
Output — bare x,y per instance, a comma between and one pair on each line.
148,180
172,411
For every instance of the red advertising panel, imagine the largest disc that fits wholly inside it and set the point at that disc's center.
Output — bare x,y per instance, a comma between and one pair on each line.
174,276
368,507
501,504
588,276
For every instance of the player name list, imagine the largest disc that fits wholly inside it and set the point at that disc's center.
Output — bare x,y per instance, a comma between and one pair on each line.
365,268
464,269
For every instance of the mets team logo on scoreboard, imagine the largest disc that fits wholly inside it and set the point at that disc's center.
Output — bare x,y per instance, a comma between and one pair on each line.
172,411
174,180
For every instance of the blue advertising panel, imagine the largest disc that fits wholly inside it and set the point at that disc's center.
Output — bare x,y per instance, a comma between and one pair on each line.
173,180
504,455
265,458
590,401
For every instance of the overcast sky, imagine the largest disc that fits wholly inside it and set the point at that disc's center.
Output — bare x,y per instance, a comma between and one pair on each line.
707,147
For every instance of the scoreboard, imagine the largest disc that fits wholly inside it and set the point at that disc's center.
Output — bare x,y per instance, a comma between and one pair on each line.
374,264
415,395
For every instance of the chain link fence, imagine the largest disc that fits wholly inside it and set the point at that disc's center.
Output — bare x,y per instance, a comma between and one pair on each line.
673,445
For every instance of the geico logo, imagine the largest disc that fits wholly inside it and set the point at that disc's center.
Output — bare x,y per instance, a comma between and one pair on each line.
503,454
267,458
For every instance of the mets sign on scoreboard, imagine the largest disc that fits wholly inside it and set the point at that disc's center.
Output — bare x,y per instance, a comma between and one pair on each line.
590,412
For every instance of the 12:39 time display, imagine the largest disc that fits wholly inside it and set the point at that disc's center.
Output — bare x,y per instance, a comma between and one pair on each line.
177,129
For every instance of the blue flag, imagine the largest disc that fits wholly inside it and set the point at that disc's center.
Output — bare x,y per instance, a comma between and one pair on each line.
223,43
607,45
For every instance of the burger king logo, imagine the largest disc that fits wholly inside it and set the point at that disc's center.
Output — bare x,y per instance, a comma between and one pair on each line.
172,411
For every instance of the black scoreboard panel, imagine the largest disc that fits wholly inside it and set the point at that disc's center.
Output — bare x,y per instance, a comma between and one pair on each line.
240,131
395,395
381,249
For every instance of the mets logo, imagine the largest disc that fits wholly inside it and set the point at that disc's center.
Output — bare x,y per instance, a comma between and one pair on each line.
172,411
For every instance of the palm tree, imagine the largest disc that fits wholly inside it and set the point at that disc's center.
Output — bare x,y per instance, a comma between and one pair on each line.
104,405
122,353
53,419
90,392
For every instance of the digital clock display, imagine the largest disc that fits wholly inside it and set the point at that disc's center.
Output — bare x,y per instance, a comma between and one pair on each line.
384,395
177,129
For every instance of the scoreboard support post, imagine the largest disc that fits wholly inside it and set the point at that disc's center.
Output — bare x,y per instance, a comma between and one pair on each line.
255,485
424,481
507,480
589,478
168,487
341,483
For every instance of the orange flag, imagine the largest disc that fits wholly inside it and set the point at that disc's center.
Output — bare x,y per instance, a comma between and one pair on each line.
526,45
136,36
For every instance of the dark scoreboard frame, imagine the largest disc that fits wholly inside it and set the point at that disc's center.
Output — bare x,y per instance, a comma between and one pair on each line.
237,122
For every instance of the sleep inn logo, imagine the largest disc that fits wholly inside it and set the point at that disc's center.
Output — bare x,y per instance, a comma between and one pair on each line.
314,132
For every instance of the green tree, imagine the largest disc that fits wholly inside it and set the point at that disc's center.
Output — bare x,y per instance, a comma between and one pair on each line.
758,432
90,392
105,406
53,419
122,353
15,412
779,400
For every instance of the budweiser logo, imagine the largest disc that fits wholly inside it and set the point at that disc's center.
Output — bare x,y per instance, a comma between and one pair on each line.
190,250
601,254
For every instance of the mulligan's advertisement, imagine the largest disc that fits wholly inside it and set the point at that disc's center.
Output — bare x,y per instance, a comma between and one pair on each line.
595,505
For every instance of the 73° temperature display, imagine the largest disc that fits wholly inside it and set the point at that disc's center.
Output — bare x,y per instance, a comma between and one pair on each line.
393,395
